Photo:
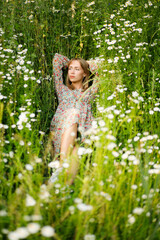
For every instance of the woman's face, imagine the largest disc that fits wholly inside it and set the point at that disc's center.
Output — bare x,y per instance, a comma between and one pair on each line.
76,72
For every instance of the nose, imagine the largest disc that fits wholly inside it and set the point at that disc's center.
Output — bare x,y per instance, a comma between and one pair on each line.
72,70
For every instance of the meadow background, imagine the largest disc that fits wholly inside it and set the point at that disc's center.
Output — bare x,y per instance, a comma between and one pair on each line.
116,194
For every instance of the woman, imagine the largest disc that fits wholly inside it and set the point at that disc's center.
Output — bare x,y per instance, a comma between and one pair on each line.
73,114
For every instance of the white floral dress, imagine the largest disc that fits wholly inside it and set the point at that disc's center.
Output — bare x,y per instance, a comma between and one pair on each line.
74,105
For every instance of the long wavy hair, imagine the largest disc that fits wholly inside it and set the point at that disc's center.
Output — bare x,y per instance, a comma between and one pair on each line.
86,79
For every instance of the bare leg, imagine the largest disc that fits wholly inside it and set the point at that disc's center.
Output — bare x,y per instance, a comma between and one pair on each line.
67,141
74,164
67,148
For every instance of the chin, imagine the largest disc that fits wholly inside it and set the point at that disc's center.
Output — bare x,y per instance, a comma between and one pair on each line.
73,81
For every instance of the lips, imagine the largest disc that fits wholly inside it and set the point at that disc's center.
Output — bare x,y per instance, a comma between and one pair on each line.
72,76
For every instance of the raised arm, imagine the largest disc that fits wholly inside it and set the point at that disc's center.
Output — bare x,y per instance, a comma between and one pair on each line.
59,61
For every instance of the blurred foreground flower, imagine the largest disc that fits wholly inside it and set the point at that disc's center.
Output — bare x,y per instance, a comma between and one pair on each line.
20,233
138,210
33,227
83,207
54,164
47,231
89,237
131,219
30,201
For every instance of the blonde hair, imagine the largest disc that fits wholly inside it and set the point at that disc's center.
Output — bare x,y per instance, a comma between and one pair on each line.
85,67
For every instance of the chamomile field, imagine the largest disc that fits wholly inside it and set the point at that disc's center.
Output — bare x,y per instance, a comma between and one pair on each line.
116,192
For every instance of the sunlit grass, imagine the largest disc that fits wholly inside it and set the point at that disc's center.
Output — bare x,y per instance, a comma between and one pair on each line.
115,194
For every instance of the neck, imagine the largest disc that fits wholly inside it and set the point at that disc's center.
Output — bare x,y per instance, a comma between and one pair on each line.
77,85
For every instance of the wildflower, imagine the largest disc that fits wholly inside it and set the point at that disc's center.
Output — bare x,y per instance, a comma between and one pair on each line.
106,195
21,62
101,123
55,175
112,16
32,115
132,158
5,231
71,209
89,151
144,196
135,94
54,164
110,116
139,30
18,67
89,237
138,210
136,162
28,125
21,143
29,167
30,17
44,194
11,154
81,151
13,236
151,112
116,59
94,164
91,3
36,217
136,138
110,137
134,187
117,112
104,129
65,165
30,201
141,99
78,200
40,132
47,231
156,109
115,154
111,71
125,155
148,214
3,213
111,146
131,219
150,3
33,227
128,56
22,118
110,60
110,48
22,232
154,171
84,207
20,175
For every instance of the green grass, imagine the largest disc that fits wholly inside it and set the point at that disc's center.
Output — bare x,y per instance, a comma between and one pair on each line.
116,191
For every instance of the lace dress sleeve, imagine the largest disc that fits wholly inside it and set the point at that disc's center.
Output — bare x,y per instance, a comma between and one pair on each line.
59,61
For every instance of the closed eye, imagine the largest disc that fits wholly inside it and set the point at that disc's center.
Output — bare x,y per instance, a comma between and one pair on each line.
70,68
